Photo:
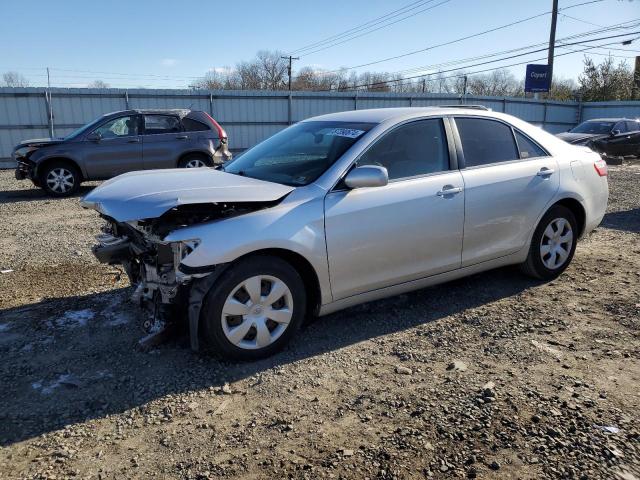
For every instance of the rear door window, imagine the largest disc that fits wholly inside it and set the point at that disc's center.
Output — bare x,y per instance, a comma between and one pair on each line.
157,124
486,141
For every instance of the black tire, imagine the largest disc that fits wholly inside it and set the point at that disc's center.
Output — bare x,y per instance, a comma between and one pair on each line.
535,265
59,189
211,317
196,157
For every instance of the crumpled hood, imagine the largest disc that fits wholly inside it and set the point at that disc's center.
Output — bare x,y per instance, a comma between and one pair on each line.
39,142
574,138
150,193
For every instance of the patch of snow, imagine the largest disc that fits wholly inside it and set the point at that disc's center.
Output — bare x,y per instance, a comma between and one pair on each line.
73,319
69,380
66,380
118,319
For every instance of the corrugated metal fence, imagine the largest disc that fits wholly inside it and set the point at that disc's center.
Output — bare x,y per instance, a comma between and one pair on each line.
252,116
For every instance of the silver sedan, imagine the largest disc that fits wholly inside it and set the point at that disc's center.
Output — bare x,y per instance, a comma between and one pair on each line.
343,209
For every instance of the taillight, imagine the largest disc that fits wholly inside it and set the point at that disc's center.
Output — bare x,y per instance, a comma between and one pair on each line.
601,167
221,133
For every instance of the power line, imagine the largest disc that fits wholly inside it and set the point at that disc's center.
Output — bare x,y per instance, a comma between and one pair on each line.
376,29
628,24
457,40
370,23
498,60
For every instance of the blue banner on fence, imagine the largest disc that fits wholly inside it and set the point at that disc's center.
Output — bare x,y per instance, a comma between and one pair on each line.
537,79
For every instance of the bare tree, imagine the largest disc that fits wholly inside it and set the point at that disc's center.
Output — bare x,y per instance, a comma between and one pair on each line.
14,79
98,84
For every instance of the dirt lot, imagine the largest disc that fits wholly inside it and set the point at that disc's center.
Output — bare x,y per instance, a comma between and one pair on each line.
494,376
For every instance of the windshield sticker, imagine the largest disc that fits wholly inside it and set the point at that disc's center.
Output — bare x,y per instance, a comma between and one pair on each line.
346,132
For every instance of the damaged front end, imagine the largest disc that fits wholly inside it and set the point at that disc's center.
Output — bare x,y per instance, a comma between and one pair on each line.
165,289
142,209
160,289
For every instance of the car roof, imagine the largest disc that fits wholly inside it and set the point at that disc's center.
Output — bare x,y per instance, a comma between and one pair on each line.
610,119
181,112
379,115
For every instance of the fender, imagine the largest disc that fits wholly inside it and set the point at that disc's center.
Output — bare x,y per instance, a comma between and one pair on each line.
296,224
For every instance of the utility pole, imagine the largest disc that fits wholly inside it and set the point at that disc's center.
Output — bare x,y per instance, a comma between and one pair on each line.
50,104
464,90
424,84
635,89
291,59
552,40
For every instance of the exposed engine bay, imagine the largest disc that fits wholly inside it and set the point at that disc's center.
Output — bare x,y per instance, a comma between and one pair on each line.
162,287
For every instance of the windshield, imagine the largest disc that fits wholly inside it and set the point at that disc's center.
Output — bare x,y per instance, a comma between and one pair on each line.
593,127
84,128
299,154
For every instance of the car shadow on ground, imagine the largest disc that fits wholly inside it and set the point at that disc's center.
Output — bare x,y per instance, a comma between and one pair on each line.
37,194
67,360
626,220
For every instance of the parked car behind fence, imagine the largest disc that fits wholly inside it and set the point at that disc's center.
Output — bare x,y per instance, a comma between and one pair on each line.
121,142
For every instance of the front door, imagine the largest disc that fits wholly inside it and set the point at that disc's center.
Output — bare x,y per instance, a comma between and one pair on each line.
408,229
113,148
509,181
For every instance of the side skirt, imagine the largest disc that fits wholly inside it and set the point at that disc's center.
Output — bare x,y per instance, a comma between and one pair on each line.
393,290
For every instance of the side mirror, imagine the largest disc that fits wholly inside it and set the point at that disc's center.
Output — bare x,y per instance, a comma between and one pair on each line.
615,132
367,176
94,137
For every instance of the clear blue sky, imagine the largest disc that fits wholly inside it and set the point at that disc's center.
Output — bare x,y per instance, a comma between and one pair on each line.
178,41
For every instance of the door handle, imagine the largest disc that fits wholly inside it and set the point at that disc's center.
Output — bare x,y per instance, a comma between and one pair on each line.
448,190
182,137
545,172
133,140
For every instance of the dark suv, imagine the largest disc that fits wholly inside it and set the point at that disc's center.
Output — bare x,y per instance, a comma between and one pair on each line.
121,142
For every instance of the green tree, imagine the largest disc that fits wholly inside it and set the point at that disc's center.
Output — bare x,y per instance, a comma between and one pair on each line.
606,81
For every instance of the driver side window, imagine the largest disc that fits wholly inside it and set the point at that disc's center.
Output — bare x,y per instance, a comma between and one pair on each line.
621,127
413,149
118,127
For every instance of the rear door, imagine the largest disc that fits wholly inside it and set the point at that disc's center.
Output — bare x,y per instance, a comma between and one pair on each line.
164,140
118,148
509,181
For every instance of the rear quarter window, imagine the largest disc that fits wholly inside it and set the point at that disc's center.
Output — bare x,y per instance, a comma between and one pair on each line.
528,148
191,125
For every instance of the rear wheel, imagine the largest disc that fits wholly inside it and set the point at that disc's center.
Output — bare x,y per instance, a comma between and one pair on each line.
194,161
254,308
60,179
553,244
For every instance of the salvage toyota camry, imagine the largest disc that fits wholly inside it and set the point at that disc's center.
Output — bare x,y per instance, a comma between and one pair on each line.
343,209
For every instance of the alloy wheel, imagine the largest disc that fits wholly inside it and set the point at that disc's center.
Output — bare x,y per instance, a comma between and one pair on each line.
257,312
195,163
556,243
60,180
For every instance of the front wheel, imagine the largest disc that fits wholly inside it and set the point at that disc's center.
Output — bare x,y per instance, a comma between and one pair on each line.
60,179
253,309
553,244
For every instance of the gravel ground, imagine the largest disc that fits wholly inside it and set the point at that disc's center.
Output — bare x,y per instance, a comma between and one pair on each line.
493,376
